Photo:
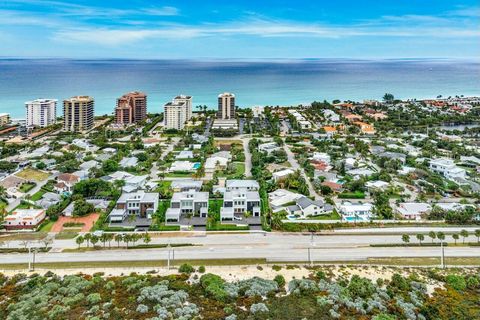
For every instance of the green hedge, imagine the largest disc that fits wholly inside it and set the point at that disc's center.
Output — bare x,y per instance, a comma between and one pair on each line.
227,227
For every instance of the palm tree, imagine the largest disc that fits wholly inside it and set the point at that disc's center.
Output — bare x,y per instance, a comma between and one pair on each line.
127,238
87,237
118,238
80,240
432,235
147,238
455,237
406,238
104,238
420,238
109,239
477,234
94,240
464,234
441,236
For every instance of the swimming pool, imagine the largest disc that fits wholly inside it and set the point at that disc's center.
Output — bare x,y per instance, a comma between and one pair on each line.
356,219
197,165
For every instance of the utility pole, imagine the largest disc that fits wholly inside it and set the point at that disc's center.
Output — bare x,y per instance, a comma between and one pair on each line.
33,262
310,257
168,259
442,257
29,262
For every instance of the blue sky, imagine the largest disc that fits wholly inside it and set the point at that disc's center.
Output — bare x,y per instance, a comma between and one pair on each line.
194,29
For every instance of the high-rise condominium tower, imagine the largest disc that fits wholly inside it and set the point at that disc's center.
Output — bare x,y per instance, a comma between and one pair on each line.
78,113
41,112
226,106
131,108
178,112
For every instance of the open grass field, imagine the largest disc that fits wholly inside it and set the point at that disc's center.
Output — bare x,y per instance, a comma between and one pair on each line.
32,174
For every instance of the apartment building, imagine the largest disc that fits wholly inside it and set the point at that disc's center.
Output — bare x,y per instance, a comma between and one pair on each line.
178,112
78,113
131,108
41,112
226,106
4,119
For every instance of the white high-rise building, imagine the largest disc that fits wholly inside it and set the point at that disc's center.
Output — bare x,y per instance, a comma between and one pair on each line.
188,104
178,112
41,112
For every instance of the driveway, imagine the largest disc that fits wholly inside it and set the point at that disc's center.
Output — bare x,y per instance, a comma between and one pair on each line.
296,166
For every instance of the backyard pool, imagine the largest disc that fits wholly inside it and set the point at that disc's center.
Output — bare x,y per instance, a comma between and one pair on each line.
197,165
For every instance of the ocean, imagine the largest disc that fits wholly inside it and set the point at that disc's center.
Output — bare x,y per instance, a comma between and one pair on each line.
261,82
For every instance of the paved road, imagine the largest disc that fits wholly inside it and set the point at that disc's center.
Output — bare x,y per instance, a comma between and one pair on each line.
296,166
273,247
248,157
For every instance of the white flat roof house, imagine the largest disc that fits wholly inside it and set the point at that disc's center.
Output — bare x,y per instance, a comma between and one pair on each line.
352,212
239,202
128,162
281,197
185,185
24,219
219,159
282,174
184,154
236,184
447,168
187,202
182,166
377,185
268,147
141,204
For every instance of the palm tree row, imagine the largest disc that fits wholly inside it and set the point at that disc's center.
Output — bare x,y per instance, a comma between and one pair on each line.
109,237
441,236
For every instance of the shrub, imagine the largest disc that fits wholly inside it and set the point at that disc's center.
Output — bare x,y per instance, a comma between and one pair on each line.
94,298
258,307
201,269
276,268
280,280
186,268
456,282
214,286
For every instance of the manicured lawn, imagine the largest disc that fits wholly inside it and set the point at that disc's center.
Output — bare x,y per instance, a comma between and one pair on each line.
227,227
178,175
352,195
24,236
46,227
239,170
333,216
219,142
64,235
25,187
32,174
38,195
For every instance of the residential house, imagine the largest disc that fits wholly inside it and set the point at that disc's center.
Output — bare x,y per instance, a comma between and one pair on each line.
140,204
24,219
307,207
377,185
281,197
355,212
239,202
248,185
412,210
282,174
189,202
128,162
184,166
268,147
185,185
65,182
447,168
217,160
185,154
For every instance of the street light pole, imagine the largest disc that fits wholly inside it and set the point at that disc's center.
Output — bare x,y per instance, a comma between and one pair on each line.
168,259
442,257
310,257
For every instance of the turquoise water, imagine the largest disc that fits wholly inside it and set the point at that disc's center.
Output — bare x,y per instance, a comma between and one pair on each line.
197,165
280,82
356,219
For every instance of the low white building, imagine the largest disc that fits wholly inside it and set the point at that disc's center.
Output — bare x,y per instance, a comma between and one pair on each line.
413,210
355,212
268,147
306,207
282,174
183,166
24,219
377,185
217,160
281,197
447,168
